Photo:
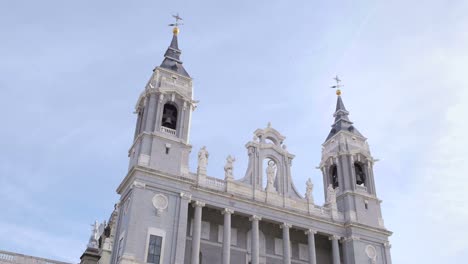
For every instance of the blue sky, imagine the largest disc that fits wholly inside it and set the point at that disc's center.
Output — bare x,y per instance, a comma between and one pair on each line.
71,72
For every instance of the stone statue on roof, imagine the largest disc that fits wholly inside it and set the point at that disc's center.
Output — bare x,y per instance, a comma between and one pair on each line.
229,167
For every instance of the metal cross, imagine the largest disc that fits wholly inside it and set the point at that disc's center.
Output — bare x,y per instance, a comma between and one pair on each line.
338,81
177,18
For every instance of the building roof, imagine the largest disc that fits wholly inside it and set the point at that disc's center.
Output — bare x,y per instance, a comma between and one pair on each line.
342,122
172,57
16,258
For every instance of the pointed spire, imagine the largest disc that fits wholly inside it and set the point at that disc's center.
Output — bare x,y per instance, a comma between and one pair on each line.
172,56
342,122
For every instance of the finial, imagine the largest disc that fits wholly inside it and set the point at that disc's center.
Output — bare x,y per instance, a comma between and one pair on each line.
176,25
337,86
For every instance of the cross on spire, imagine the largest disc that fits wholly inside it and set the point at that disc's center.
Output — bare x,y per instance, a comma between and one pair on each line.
338,85
177,19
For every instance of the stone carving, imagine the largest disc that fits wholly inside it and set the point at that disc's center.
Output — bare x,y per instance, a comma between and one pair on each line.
270,171
202,160
371,253
331,195
228,168
160,202
309,188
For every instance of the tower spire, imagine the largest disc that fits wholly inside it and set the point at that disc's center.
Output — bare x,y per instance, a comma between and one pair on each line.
342,122
172,56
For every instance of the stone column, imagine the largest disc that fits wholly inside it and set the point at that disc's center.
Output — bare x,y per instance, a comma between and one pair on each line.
286,244
227,236
179,243
255,245
311,243
196,231
335,249
387,252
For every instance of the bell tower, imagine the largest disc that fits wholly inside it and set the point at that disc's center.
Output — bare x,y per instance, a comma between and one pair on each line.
347,166
164,110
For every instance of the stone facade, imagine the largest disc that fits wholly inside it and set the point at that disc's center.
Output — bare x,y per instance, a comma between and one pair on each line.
167,214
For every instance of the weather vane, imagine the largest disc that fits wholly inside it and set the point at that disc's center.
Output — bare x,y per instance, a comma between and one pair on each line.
177,19
176,24
338,85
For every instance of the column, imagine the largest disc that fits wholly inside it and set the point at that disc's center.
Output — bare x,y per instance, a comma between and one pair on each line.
286,244
255,250
311,242
227,236
196,231
150,111
179,243
387,247
335,249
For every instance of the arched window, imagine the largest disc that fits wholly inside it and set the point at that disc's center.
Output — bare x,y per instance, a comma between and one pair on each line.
360,174
169,118
334,176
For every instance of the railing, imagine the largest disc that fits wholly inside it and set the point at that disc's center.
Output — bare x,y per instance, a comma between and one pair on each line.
361,188
8,257
216,183
167,130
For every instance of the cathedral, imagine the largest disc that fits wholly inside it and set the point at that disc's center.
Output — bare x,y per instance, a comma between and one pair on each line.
168,214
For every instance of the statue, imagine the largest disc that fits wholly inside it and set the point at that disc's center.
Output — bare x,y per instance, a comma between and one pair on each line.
202,160
93,239
270,171
229,167
331,195
309,188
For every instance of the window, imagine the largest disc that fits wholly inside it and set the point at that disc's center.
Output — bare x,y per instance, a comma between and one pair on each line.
334,176
154,249
360,175
169,118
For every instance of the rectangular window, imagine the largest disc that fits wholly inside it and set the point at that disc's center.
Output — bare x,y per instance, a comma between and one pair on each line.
154,249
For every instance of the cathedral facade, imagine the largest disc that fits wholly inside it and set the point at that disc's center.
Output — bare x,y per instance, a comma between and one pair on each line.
168,214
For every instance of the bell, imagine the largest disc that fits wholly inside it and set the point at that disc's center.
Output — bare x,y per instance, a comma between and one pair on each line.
168,120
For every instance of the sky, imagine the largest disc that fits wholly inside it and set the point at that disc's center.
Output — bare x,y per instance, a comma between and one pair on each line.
71,73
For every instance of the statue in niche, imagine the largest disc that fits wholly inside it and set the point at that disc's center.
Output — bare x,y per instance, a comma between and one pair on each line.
270,171
309,188
331,195
228,168
202,159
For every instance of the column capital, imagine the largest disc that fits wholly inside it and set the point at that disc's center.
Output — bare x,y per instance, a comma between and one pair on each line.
186,196
227,211
285,225
198,204
310,231
350,238
387,244
255,218
334,237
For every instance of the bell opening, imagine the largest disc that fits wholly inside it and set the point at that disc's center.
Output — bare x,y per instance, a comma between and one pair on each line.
169,118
